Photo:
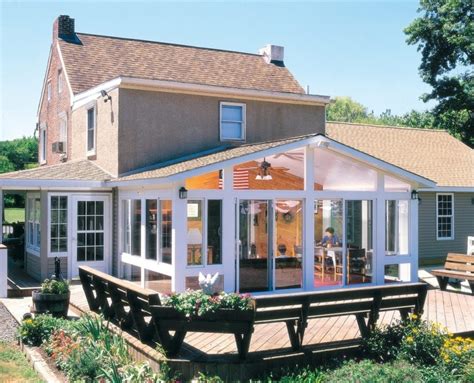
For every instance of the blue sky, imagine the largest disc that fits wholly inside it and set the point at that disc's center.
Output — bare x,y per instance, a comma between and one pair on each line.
351,48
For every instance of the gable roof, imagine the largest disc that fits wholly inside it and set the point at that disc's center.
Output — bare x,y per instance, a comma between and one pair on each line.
433,154
81,170
98,59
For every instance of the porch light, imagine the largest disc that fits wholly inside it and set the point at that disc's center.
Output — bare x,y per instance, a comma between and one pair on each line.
183,193
414,194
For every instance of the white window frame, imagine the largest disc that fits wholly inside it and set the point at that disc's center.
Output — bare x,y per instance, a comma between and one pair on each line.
48,90
93,151
63,137
60,80
243,122
43,140
438,238
34,246
52,253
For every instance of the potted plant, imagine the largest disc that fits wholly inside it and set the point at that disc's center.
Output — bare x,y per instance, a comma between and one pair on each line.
52,298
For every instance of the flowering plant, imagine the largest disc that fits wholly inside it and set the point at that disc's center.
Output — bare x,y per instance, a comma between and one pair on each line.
54,286
196,303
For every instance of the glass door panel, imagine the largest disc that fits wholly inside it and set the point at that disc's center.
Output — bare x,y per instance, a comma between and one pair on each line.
288,244
328,249
359,226
254,246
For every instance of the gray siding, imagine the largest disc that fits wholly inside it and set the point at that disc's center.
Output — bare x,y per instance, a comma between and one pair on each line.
33,266
431,249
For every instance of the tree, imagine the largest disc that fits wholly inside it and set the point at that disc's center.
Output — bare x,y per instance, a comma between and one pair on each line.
18,154
445,36
345,109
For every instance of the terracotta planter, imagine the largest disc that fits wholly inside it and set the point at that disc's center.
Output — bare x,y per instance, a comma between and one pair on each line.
55,304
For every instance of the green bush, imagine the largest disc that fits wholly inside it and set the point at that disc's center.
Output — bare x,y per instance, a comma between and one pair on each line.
54,286
35,331
412,339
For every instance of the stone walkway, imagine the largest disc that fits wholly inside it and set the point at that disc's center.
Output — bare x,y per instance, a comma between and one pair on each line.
8,325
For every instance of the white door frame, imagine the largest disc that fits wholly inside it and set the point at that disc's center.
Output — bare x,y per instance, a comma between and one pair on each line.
106,264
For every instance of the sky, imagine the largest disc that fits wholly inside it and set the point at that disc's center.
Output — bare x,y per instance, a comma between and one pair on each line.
351,48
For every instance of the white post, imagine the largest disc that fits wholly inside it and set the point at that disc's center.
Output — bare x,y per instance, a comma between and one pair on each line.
229,245
470,245
3,271
308,233
413,239
379,245
180,246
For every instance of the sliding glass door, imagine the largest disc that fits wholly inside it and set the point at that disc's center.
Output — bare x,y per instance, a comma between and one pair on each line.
270,245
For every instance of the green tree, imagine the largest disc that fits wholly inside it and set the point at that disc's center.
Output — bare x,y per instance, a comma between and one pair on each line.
445,36
18,154
345,109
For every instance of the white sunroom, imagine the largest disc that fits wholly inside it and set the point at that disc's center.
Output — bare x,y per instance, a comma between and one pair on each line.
300,214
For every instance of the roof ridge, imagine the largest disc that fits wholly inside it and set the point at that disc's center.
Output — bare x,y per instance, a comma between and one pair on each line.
170,44
278,140
436,130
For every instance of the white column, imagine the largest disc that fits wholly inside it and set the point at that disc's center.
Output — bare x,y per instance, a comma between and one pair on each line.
308,253
3,271
379,244
179,249
413,239
1,216
229,241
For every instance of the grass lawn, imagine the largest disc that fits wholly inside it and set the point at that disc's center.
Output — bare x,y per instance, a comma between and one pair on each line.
14,214
14,368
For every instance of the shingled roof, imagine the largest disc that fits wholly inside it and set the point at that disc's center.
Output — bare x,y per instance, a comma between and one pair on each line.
433,154
97,59
81,170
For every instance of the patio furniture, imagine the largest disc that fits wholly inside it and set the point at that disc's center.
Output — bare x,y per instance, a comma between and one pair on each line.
457,266
365,303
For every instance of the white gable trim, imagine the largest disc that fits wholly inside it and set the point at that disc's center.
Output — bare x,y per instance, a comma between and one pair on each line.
314,141
45,80
71,94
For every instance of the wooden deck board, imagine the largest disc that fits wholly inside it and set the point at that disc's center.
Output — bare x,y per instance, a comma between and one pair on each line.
455,311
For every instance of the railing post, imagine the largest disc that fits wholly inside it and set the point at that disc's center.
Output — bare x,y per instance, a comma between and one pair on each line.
3,271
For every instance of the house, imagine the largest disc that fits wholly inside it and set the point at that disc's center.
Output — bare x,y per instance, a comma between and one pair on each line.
446,212
162,161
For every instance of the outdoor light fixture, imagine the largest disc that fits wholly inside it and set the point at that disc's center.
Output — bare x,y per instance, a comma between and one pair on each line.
183,193
414,194
264,171
104,94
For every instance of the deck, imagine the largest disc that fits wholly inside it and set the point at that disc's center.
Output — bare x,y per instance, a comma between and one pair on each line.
270,346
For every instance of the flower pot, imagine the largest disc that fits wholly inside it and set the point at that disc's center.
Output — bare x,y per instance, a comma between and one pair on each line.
55,304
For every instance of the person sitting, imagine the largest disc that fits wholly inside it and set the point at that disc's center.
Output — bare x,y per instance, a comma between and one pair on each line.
330,239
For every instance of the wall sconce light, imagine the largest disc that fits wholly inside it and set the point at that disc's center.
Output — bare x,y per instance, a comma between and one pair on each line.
106,96
183,193
414,195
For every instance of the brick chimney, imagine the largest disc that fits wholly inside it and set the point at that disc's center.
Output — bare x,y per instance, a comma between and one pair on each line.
273,54
63,28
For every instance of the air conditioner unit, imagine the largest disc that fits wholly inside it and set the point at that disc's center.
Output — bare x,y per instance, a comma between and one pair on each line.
58,147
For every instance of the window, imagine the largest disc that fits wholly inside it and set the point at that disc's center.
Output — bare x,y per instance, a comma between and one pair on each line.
60,80
33,218
58,217
204,235
91,125
232,121
132,222
445,216
48,90
396,227
90,231
42,143
63,131
166,238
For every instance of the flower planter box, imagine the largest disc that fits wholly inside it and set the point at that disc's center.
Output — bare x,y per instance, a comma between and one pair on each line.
228,321
55,304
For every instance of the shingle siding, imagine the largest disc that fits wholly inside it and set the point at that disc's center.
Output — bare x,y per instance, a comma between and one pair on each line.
429,246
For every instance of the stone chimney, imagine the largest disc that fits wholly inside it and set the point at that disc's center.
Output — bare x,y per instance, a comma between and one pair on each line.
63,28
273,54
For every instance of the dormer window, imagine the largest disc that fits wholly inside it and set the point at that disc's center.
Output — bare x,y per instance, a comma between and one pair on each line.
60,80
232,121
91,131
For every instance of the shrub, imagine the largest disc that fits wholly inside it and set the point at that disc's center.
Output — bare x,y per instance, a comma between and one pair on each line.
457,354
34,331
412,339
196,303
54,286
